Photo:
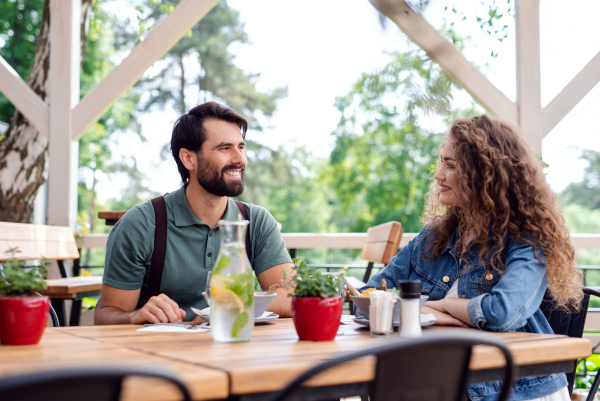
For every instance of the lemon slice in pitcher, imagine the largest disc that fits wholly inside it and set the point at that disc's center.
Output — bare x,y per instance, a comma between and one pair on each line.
217,283
227,299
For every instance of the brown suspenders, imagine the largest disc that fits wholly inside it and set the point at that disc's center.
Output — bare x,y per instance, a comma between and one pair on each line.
160,243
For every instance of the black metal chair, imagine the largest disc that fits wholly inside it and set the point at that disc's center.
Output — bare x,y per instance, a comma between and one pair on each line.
53,314
570,323
431,368
84,383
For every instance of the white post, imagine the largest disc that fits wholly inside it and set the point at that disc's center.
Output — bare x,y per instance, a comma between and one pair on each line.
529,96
65,18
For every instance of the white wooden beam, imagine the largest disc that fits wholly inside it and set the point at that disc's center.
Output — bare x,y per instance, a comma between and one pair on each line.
572,94
448,57
529,93
185,15
23,97
65,16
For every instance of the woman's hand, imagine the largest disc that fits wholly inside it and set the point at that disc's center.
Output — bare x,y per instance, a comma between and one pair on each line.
443,318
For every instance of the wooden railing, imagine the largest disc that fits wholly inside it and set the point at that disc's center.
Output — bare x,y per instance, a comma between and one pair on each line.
337,241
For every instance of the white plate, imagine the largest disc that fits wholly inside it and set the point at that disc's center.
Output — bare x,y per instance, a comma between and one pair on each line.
363,321
270,318
203,314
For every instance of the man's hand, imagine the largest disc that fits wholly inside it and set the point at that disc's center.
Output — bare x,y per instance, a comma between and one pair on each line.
159,309
442,318
117,306
282,304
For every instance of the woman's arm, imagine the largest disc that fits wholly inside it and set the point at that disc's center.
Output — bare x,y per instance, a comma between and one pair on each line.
456,308
518,294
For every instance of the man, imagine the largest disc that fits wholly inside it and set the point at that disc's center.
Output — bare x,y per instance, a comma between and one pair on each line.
208,146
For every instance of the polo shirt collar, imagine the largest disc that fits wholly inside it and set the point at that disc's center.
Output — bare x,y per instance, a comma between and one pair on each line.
182,211
184,215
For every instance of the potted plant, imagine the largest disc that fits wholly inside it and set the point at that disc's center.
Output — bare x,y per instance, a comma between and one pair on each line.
316,303
23,314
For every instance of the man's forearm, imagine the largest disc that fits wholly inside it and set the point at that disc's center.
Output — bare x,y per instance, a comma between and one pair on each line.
112,315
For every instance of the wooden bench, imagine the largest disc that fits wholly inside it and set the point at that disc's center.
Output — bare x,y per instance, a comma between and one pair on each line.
34,242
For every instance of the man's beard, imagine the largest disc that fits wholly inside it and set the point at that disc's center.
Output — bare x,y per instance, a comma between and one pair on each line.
213,180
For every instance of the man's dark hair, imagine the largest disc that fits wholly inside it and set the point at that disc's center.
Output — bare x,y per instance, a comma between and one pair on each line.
189,132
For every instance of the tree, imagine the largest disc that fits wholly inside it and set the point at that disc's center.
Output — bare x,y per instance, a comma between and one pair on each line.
215,76
95,155
21,21
586,192
384,153
23,149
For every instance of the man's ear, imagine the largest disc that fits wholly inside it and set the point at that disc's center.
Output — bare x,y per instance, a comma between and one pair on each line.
189,159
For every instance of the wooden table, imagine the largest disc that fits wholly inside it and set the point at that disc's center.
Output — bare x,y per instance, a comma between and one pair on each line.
75,289
272,358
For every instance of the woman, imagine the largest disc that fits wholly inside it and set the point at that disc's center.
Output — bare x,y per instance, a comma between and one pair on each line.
494,240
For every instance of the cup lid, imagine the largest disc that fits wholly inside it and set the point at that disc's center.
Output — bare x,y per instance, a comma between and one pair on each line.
409,288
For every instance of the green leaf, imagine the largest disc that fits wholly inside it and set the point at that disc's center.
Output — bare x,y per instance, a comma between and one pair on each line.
239,323
223,262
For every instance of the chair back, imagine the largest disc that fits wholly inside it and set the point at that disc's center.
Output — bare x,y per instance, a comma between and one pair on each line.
405,371
570,322
382,242
34,241
90,384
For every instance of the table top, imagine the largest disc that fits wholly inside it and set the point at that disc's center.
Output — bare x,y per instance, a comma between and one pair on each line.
272,358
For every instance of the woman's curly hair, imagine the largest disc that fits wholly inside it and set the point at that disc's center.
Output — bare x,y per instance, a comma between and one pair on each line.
503,194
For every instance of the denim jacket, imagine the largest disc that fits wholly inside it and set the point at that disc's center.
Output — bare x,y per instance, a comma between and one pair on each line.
508,302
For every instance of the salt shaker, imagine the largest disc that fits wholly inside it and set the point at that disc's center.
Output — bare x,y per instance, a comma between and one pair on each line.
410,292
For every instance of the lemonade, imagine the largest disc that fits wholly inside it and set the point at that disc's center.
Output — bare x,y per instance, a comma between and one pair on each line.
232,287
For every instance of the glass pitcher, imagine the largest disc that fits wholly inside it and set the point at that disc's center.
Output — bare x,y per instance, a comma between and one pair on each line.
232,286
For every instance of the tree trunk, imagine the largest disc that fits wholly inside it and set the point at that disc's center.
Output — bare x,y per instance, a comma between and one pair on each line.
23,151
182,109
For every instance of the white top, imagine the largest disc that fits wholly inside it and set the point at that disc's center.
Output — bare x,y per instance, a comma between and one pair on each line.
453,293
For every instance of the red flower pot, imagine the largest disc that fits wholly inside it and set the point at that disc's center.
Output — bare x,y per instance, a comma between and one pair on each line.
315,318
23,320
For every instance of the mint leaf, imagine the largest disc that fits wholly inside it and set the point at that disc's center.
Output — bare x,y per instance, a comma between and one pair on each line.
223,262
239,323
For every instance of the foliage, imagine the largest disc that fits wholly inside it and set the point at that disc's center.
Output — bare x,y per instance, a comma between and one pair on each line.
309,283
582,220
18,280
384,152
19,28
89,303
216,78
586,192
583,376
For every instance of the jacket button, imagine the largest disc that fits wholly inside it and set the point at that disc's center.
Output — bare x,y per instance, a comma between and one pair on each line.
489,276
463,296
446,279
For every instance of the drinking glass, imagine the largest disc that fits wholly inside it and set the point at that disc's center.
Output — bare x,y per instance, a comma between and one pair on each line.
381,320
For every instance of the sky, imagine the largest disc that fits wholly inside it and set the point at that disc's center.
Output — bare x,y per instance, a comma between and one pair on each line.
318,49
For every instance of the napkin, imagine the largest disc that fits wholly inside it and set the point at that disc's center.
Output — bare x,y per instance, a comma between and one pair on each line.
427,318
173,328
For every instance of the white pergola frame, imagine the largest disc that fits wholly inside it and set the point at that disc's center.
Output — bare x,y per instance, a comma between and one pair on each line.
67,117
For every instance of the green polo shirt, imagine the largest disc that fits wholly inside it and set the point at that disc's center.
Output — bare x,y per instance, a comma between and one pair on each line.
192,249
